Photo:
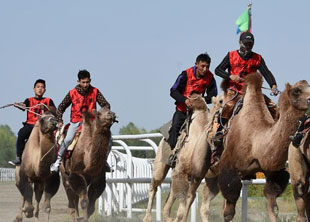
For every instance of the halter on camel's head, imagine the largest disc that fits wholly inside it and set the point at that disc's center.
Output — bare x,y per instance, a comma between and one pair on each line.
297,95
48,122
104,117
198,102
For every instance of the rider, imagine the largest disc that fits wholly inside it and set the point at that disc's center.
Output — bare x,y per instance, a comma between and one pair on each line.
194,79
83,97
296,139
34,109
240,63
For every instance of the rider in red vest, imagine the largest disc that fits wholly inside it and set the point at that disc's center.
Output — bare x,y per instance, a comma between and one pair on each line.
195,79
83,97
240,63
34,107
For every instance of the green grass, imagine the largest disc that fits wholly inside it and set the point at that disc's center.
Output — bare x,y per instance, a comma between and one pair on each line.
256,208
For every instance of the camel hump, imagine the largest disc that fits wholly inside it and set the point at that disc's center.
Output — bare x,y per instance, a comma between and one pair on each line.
254,79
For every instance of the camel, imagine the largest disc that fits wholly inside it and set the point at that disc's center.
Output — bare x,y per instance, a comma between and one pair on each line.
33,174
257,142
160,170
299,167
83,173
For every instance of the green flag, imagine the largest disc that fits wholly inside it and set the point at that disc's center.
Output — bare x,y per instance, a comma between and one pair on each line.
244,22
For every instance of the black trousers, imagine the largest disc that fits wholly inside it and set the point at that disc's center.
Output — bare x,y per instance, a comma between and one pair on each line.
22,137
177,122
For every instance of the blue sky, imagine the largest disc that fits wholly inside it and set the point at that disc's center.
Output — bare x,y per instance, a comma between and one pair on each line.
134,49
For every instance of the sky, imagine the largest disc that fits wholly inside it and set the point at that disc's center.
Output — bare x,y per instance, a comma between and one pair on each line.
135,49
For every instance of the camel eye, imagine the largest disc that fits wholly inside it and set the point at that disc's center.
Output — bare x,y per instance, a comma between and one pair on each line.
296,91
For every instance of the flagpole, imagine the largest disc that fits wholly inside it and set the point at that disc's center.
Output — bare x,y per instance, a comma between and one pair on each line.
250,17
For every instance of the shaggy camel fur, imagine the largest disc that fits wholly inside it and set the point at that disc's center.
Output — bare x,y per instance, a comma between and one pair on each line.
83,173
33,174
299,166
257,142
161,169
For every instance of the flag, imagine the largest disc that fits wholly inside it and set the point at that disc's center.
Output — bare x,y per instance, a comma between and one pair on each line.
244,21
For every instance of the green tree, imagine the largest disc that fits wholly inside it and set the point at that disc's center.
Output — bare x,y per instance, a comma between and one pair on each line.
7,145
132,129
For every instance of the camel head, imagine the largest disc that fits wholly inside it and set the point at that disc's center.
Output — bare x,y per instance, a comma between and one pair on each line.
105,117
297,96
198,102
48,123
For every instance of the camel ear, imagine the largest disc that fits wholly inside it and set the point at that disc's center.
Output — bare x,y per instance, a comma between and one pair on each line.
288,87
94,112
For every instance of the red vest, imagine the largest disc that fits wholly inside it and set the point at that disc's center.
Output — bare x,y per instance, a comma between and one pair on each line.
242,67
40,109
81,103
193,84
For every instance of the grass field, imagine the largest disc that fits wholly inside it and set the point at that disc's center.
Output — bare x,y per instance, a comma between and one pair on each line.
10,203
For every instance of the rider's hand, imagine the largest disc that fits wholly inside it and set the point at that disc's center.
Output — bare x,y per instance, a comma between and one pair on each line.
188,103
275,90
235,78
60,123
21,106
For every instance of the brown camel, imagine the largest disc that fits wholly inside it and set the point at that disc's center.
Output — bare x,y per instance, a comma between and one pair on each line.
33,174
83,173
299,166
257,142
161,169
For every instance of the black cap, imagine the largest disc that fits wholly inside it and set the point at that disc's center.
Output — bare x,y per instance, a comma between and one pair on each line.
247,37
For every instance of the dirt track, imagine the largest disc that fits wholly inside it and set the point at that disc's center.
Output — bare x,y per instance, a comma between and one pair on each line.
10,200
10,203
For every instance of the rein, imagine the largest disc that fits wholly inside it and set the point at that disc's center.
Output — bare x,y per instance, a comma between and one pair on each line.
28,108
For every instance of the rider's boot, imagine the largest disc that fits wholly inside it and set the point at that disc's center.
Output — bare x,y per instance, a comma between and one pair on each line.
296,139
55,166
16,162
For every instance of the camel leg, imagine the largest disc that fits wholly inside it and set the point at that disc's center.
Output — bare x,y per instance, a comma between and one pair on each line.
159,174
26,190
73,199
191,195
210,190
51,188
167,207
79,186
38,191
276,183
230,186
19,216
178,188
94,191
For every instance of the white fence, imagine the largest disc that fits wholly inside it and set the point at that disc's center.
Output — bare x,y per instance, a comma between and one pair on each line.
7,174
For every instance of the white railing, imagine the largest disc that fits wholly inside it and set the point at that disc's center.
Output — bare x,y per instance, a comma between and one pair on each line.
7,174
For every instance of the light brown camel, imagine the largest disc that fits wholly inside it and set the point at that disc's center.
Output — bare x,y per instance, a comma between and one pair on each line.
161,169
257,142
83,173
33,174
299,167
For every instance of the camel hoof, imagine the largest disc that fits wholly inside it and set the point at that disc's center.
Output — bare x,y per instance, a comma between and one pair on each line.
168,219
18,219
81,219
29,214
276,210
301,219
47,210
228,218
